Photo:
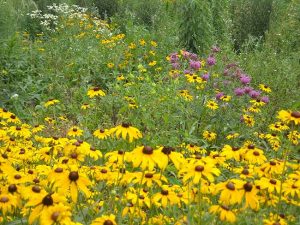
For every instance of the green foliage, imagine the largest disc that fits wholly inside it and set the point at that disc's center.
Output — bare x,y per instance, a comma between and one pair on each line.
106,8
250,18
196,26
13,15
284,33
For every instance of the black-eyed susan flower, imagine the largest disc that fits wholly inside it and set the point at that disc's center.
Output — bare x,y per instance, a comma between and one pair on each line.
169,153
105,220
75,131
211,104
8,203
56,214
209,136
74,181
255,156
248,120
37,128
116,157
265,88
149,178
224,212
250,191
85,106
51,102
230,191
96,91
270,184
289,116
144,157
278,126
110,65
126,130
20,131
197,170
101,133
167,197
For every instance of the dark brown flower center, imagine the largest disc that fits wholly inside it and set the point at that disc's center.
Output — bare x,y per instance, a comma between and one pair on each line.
55,216
164,192
96,89
225,207
103,171
108,222
199,168
167,150
18,128
47,200
92,148
148,175
248,187
245,172
230,186
125,125
12,188
147,150
74,155
101,131
235,148
120,152
295,114
251,146
17,176
36,189
58,170
272,181
73,176
256,153
74,129
4,199
272,163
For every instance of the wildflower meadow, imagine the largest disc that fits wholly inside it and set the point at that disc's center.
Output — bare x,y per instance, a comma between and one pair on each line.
112,118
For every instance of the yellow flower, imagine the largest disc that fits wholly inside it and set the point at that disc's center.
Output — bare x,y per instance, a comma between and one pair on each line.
210,136
85,106
226,98
153,43
105,220
212,105
57,214
126,130
101,134
167,197
110,65
289,116
75,131
142,42
8,203
265,88
51,102
225,213
248,120
152,63
96,91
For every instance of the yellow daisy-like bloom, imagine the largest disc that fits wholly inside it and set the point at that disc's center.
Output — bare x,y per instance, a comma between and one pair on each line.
212,105
257,102
230,191
288,116
255,156
8,203
226,98
193,78
197,170
74,181
75,131
153,43
208,135
105,220
142,42
152,63
250,194
186,95
110,65
51,102
225,213
232,136
37,128
235,153
49,120
85,106
101,134
166,197
20,131
96,91
269,183
265,88
248,120
126,130
57,214
144,157
278,126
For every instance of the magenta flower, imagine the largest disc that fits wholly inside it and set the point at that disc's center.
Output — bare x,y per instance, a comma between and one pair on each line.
254,94
195,65
239,91
211,60
245,79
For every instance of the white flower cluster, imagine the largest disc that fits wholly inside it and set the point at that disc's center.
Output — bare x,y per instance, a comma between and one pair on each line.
50,20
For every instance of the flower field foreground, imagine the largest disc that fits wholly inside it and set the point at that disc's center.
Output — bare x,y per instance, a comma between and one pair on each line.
145,138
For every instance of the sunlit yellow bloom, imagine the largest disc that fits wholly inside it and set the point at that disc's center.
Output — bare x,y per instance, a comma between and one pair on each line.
288,116
166,197
75,131
265,88
85,106
96,91
212,105
225,213
208,135
152,63
126,130
110,65
105,220
101,134
51,102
